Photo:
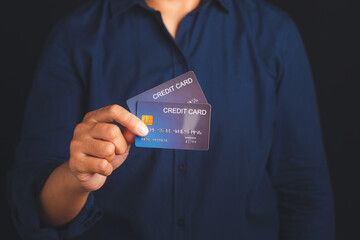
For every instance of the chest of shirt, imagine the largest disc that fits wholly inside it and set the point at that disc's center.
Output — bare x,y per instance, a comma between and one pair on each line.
135,53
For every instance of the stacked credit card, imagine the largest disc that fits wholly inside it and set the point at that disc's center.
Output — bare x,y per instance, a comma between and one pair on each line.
176,113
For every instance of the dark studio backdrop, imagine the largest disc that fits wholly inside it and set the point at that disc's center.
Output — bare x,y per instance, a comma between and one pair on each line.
329,29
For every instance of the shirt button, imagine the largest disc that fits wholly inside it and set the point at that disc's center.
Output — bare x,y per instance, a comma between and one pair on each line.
182,167
180,59
181,222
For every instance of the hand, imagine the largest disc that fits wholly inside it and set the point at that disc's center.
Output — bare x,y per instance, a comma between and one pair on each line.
99,147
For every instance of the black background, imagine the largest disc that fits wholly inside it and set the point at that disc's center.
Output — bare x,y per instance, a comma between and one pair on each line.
329,29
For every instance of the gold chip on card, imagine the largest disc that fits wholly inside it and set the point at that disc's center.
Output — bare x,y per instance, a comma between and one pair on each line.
147,119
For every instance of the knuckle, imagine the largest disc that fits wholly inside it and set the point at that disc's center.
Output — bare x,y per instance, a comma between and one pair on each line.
114,109
113,131
122,149
110,158
131,119
102,166
109,149
108,171
87,115
79,129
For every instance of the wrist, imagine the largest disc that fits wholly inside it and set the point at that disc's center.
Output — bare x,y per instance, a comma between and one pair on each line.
74,184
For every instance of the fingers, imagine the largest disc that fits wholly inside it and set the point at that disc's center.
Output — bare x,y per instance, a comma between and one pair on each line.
119,114
128,135
98,146
119,159
88,164
99,149
111,133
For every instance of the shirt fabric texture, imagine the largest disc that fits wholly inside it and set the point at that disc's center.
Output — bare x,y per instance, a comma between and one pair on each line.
265,175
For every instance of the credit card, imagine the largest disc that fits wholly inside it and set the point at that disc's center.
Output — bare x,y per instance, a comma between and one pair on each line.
175,125
184,89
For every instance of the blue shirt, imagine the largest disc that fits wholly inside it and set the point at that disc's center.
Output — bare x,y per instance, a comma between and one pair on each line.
265,175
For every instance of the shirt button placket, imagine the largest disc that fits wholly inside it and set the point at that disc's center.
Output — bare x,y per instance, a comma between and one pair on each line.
180,66
181,222
181,167
181,195
180,59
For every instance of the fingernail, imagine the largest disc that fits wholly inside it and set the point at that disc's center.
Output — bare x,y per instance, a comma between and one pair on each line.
142,129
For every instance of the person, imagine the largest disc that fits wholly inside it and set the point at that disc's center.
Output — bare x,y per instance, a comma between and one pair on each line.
264,176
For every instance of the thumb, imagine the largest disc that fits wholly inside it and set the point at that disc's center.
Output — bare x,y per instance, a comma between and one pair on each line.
129,136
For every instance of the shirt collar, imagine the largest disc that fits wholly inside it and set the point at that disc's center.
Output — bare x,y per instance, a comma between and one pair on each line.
120,6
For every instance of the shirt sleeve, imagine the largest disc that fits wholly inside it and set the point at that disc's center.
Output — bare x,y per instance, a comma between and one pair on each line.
297,164
55,106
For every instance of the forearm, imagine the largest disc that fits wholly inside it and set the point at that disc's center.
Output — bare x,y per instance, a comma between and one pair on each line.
62,197
97,148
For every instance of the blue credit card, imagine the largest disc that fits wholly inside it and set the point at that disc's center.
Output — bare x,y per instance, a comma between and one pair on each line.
184,88
175,125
